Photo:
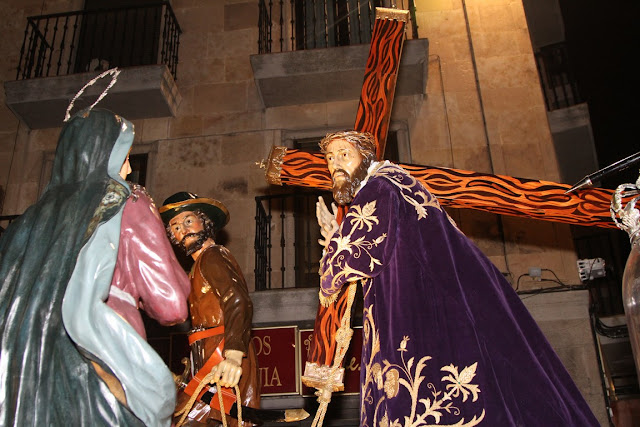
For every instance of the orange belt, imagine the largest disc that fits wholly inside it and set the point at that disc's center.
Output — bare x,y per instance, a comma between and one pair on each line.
197,336
228,395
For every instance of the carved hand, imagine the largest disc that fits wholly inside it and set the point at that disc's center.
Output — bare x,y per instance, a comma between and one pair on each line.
326,220
228,372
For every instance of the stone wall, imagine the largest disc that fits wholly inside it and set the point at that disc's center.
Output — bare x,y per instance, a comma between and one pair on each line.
483,111
564,319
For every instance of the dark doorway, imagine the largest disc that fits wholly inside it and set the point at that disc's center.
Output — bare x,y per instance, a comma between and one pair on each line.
138,164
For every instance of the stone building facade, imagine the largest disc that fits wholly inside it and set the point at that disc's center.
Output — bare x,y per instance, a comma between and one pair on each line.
482,109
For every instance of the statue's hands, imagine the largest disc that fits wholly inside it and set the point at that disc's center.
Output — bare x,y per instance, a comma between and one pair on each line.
228,372
326,220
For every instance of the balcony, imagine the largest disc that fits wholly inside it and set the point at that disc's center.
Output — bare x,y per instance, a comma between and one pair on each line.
316,51
62,52
559,84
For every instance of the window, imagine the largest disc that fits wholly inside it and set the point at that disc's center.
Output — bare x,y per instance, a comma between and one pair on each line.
392,151
138,164
286,221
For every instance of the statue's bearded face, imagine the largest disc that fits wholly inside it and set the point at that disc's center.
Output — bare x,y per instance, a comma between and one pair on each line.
188,231
347,169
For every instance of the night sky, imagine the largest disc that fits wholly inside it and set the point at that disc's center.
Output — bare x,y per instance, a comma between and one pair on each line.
602,39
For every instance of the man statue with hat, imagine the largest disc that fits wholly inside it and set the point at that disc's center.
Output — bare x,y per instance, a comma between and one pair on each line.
221,310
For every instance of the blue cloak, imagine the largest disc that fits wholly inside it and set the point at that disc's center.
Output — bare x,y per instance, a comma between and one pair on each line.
56,263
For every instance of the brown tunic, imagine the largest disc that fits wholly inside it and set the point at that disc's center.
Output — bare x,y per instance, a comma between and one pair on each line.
219,296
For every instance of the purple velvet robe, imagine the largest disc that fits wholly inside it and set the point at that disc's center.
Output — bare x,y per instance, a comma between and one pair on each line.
446,339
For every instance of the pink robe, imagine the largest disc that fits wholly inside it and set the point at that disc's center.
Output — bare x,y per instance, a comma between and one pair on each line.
147,274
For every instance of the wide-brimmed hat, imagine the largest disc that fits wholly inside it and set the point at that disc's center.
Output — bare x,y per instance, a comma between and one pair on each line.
185,201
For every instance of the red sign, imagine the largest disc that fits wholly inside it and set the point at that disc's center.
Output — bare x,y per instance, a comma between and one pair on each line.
276,350
351,362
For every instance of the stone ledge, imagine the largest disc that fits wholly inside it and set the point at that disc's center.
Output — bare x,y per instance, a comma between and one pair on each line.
141,92
332,74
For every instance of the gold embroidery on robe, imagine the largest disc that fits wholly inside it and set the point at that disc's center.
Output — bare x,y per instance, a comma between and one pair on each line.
455,388
360,217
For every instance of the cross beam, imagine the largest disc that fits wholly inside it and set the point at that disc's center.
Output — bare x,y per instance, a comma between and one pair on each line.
457,188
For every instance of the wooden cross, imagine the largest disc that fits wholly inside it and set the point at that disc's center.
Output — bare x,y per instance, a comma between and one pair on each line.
456,188
373,116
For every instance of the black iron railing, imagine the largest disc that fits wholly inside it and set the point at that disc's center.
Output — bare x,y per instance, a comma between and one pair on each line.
559,83
96,40
287,252
287,25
